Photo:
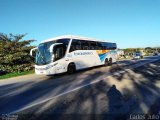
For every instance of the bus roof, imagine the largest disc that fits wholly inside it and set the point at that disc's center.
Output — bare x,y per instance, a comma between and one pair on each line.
73,37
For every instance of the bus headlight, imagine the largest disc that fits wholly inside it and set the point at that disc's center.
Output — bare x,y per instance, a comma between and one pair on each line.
55,64
51,65
48,67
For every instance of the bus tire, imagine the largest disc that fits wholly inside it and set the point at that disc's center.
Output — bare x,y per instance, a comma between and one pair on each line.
106,62
71,68
110,61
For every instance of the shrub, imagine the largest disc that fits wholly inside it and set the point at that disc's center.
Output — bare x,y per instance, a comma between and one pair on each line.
14,53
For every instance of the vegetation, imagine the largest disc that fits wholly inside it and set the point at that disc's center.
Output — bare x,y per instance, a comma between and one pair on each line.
14,74
14,54
15,59
147,50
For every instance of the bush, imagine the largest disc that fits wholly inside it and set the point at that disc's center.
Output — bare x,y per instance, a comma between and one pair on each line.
14,53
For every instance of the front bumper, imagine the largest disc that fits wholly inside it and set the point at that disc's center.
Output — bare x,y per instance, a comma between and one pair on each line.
46,70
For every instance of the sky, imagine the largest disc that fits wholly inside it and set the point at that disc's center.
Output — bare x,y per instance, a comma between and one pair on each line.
129,23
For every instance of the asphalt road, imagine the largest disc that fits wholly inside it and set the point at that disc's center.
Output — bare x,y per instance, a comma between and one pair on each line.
88,91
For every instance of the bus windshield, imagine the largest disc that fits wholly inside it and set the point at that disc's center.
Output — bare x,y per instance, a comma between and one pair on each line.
43,56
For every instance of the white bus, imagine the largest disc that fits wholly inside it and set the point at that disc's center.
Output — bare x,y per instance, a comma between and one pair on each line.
70,53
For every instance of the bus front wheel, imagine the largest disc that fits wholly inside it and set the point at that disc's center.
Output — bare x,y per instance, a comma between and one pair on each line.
71,68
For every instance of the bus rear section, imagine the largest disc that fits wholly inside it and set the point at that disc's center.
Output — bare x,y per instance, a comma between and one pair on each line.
85,53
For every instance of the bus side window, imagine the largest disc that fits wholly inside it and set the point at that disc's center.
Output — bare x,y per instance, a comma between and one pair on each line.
75,45
114,46
106,46
84,45
59,52
92,45
103,45
71,49
78,45
99,46
111,46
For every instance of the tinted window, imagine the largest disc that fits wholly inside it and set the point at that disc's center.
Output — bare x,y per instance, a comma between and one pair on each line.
85,45
104,45
64,41
109,46
59,51
113,46
99,46
91,45
76,45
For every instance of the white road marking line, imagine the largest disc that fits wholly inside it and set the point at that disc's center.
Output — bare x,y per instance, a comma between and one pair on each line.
121,72
82,86
117,74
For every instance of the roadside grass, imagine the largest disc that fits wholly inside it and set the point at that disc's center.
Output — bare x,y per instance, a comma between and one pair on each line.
10,75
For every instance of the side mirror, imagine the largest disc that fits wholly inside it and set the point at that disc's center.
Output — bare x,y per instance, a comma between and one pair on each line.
52,59
31,51
52,47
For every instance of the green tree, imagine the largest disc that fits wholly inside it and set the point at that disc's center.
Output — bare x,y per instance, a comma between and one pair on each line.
14,53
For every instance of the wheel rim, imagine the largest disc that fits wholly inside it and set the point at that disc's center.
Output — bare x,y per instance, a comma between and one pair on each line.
110,62
106,62
71,69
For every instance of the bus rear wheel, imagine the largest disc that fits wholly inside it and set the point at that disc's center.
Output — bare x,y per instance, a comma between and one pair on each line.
106,63
110,61
71,68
